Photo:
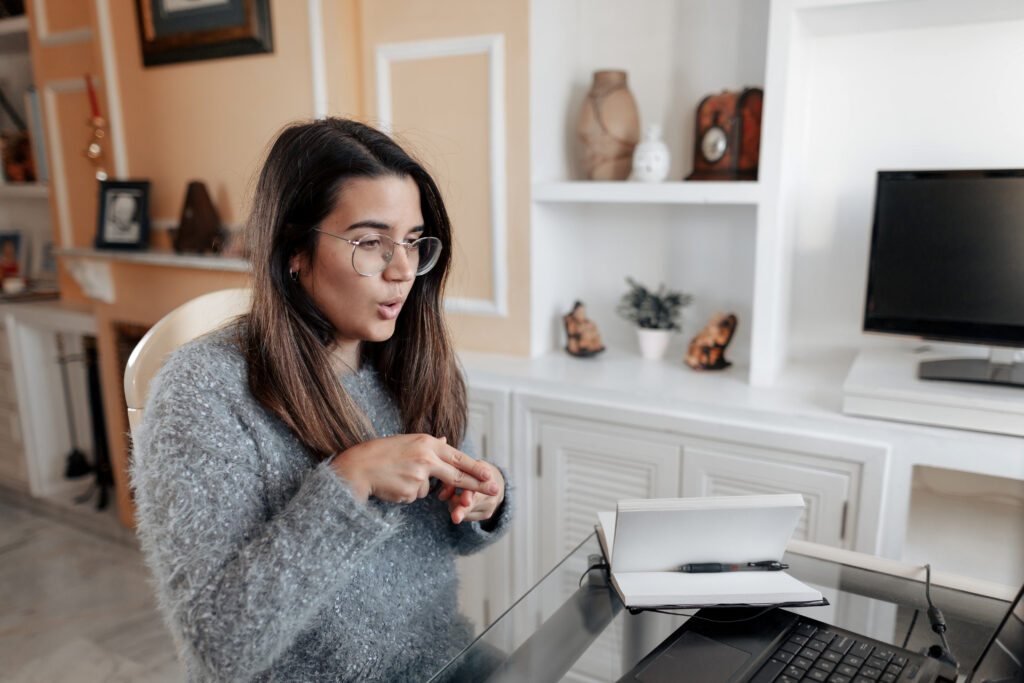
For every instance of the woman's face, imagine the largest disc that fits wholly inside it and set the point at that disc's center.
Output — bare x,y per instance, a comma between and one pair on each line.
363,308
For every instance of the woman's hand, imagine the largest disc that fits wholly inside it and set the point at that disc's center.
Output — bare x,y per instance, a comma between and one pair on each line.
398,469
472,506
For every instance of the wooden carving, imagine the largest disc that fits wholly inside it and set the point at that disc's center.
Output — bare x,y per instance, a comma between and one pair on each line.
707,350
200,223
584,339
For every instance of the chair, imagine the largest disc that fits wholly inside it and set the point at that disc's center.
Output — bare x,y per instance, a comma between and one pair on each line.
186,322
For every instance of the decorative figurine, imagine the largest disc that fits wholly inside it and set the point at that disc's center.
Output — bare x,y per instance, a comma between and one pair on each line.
584,339
199,230
707,350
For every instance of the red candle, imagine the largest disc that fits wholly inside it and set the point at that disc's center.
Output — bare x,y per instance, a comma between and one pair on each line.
92,97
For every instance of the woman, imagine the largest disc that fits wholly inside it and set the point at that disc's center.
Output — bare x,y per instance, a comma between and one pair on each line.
299,497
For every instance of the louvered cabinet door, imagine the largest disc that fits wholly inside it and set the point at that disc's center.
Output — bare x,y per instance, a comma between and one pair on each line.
586,467
734,470
484,590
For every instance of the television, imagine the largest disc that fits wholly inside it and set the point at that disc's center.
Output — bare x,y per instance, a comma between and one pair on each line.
947,263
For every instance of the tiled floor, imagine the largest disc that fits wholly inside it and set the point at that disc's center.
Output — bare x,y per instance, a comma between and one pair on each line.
76,606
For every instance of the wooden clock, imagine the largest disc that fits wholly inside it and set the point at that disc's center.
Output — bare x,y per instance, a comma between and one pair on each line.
728,140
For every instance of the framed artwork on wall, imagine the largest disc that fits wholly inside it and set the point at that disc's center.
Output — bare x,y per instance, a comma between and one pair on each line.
187,30
123,221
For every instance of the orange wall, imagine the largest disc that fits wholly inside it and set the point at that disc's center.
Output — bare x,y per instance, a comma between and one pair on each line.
451,141
209,120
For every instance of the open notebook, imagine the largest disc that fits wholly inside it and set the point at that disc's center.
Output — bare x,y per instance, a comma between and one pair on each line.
647,541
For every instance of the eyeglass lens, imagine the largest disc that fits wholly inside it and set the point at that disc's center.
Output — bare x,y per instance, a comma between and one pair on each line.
373,253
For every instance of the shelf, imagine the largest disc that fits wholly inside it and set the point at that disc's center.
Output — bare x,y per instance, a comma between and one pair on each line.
627,192
158,258
14,34
24,190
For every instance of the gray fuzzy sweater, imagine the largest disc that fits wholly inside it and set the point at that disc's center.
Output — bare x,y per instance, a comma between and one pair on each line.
266,567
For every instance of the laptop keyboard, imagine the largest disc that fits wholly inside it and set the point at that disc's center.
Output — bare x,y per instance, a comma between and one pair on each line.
820,654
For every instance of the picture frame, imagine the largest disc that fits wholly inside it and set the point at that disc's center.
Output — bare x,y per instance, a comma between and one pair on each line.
173,31
12,254
123,221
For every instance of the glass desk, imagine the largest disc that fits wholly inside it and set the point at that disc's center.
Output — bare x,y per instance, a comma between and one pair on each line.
571,625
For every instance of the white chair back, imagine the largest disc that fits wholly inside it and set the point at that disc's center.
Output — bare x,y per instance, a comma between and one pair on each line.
186,322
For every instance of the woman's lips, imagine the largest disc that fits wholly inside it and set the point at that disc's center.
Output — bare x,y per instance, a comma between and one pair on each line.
389,310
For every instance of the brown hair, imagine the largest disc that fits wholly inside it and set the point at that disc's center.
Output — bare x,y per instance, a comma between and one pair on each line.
286,339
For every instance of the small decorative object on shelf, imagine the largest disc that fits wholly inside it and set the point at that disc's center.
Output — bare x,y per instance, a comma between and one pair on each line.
124,215
189,31
651,157
94,150
584,340
11,8
199,230
655,313
608,128
707,350
18,163
10,255
728,141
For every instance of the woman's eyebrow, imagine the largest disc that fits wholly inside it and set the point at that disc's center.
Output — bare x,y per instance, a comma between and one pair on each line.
376,225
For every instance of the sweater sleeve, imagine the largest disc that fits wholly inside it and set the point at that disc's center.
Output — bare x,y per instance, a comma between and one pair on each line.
470,537
238,582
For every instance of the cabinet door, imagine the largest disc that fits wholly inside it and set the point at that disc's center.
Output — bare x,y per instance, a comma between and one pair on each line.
585,467
738,470
483,577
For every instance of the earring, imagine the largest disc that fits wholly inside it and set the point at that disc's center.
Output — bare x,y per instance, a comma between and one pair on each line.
294,275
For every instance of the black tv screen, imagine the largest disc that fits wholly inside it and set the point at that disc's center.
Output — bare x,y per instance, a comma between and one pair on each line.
947,256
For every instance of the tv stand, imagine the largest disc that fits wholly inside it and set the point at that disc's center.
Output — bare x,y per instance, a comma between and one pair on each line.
998,368
885,384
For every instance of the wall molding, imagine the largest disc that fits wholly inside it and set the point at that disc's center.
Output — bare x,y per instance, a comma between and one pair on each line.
493,46
318,58
51,91
115,118
48,38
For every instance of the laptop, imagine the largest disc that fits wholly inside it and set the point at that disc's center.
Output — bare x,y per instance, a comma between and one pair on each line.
779,646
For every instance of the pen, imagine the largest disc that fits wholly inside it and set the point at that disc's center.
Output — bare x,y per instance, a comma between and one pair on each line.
713,567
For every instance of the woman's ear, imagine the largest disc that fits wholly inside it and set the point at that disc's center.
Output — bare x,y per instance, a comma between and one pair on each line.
297,263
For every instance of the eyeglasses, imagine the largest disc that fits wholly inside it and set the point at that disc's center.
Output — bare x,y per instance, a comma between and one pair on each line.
372,253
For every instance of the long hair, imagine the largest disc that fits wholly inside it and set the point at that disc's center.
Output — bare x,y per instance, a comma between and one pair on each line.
286,339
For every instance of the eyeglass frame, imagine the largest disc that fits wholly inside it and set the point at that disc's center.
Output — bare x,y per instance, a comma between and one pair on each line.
387,259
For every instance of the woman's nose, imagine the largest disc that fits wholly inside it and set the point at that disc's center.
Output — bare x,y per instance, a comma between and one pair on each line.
400,267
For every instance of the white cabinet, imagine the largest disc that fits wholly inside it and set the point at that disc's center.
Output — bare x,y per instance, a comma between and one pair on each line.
484,582
720,470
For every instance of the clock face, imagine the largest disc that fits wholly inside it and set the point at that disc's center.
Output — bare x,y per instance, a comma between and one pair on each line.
713,144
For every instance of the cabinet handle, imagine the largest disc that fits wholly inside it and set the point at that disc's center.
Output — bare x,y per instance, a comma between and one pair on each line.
538,461
842,525
483,447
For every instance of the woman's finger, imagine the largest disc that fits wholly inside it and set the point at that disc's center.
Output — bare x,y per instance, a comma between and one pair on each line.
456,458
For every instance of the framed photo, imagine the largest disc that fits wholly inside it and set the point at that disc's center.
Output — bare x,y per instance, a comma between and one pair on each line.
12,257
187,30
124,215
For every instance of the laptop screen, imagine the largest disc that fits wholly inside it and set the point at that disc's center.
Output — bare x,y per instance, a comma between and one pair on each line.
1003,658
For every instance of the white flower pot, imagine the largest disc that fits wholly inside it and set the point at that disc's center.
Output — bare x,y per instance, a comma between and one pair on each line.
653,342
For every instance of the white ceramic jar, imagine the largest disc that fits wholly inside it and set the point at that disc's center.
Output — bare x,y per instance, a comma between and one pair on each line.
651,157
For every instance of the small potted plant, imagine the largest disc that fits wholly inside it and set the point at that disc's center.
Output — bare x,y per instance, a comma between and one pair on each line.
655,313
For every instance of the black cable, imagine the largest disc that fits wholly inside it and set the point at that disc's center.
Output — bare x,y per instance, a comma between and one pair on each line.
910,629
938,623
6,105
599,565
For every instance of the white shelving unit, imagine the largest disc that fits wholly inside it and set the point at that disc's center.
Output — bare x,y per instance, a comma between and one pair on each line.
587,237
24,207
679,192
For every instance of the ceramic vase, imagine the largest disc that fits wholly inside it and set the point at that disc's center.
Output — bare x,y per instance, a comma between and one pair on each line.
651,157
608,128
653,342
